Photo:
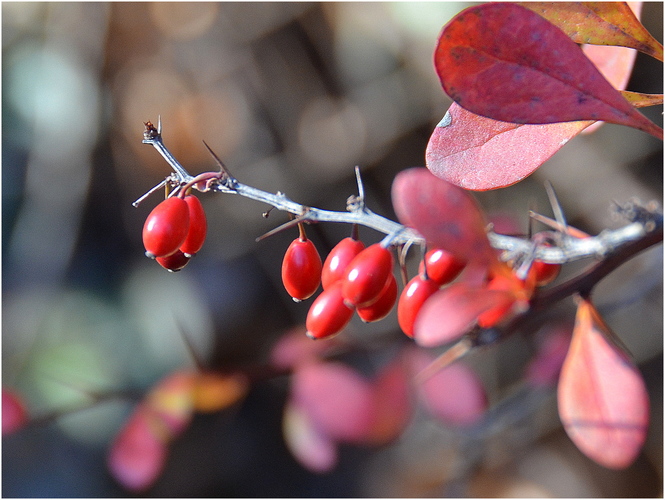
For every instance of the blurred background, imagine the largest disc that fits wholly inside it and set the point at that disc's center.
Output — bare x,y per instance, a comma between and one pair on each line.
291,96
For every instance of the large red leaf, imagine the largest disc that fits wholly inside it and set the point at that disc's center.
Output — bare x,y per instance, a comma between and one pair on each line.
446,215
480,153
503,61
603,402
600,23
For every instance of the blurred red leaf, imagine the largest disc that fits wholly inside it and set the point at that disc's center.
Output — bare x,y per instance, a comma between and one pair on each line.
603,402
294,348
338,400
139,451
544,368
599,23
454,395
311,448
503,61
447,216
452,311
479,153
14,413
392,403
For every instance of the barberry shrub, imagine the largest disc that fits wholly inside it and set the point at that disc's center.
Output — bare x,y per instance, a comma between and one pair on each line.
522,87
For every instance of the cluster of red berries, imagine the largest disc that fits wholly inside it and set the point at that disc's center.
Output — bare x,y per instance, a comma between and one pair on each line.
354,279
361,280
175,231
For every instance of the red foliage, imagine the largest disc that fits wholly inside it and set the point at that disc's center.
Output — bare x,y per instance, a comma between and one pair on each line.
14,412
603,402
503,61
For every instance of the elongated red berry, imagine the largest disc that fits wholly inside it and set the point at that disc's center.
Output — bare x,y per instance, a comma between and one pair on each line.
414,295
198,227
338,259
328,314
382,306
366,275
174,262
301,268
166,227
442,266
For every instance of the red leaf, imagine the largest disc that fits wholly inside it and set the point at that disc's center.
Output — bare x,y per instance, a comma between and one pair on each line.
294,348
454,395
14,413
139,451
600,23
337,399
544,368
392,403
312,448
446,215
452,311
475,152
603,402
506,62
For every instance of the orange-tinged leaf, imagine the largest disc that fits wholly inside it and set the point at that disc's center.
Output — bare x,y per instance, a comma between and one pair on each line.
172,399
599,23
603,402
447,216
640,100
452,311
479,153
139,451
216,391
503,61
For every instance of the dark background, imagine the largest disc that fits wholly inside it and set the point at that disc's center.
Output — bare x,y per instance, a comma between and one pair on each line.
291,96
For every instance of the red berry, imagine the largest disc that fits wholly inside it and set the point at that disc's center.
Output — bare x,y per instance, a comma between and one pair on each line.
328,314
382,306
442,266
543,272
414,295
366,275
301,269
198,226
174,262
166,227
338,258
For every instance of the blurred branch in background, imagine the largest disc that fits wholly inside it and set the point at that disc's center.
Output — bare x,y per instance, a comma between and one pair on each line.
291,96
